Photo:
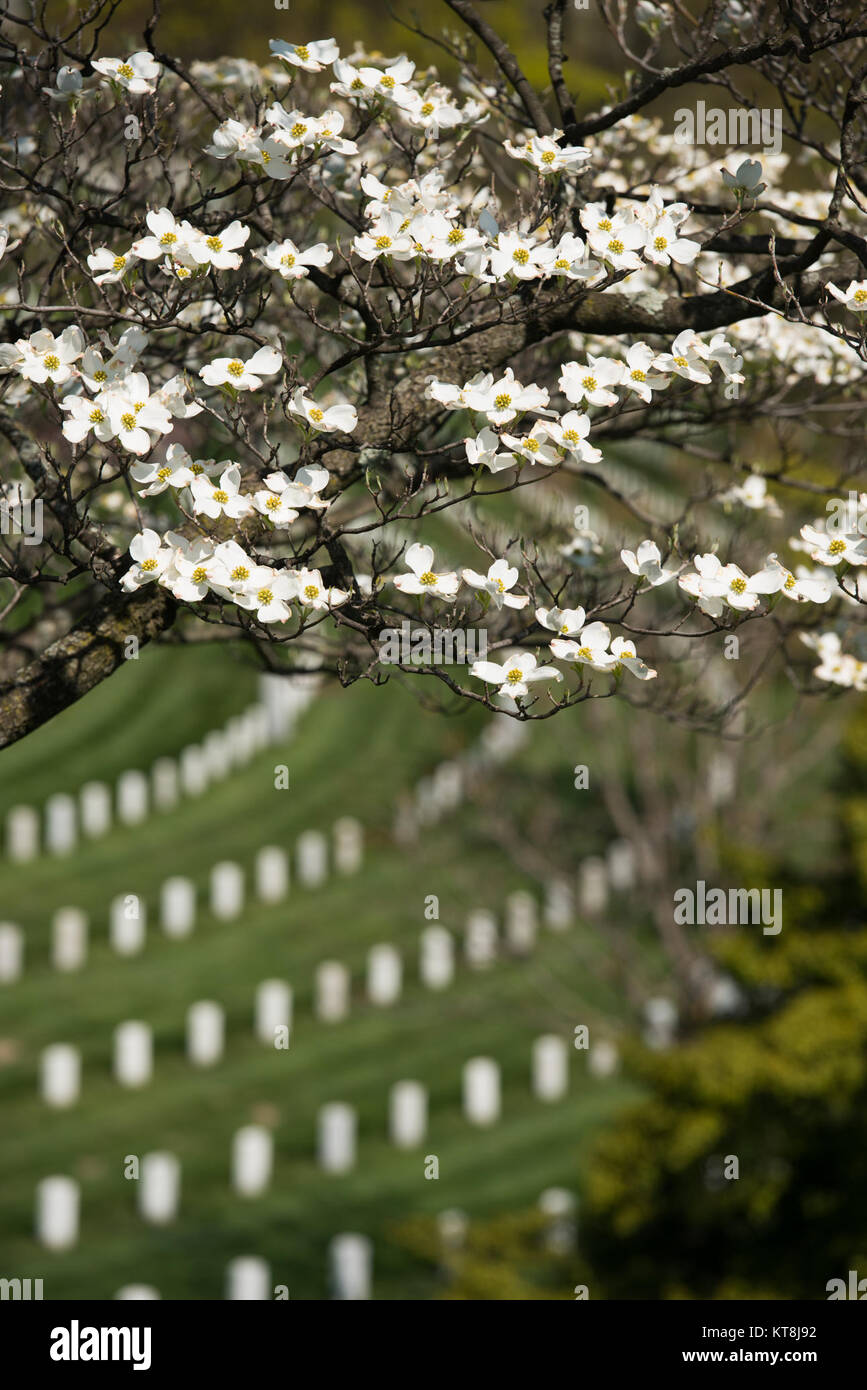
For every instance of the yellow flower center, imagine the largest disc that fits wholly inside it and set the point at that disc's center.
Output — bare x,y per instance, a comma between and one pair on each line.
681,362
265,596
428,577
615,246
235,368
548,157
139,405
311,591
836,547
149,565
531,444
168,239
125,70
52,362
571,436
604,224
316,414
240,572
197,469
789,582
503,401
382,243
356,85
386,81
100,376
163,474
297,130
501,588
427,108
515,675
288,259
199,574
96,417
272,502
589,383
213,243
118,263
638,375
738,585
660,243
860,296
302,52
586,653
455,237
128,420
221,496
561,264
522,255
265,156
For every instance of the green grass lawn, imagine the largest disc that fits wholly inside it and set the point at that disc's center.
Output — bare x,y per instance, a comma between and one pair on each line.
353,753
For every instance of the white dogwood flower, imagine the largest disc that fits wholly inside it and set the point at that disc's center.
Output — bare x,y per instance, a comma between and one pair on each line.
646,561
312,593
151,558
311,57
483,451
854,296
108,267
563,621
290,262
589,648
242,376
327,419
422,578
137,74
623,650
591,383
504,399
499,580
571,432
223,498
515,674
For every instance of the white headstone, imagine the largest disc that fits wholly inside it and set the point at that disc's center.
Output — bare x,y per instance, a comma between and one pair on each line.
248,1278
351,1267
448,786
60,1075
603,1059
133,1053
405,828
336,1137
348,845
137,1291
159,1188
721,779
279,701
550,1068
252,1160
95,799
132,798
521,923
22,834
127,924
272,874
559,905
61,832
480,940
559,1206
257,721
177,906
68,938
193,770
437,960
273,1009
481,1091
621,866
312,854
227,890
331,989
11,952
407,1114
57,1206
660,1023
384,975
205,1033
215,750
164,784
452,1227
593,887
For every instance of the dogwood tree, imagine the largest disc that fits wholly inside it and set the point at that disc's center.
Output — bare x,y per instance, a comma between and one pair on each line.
293,353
